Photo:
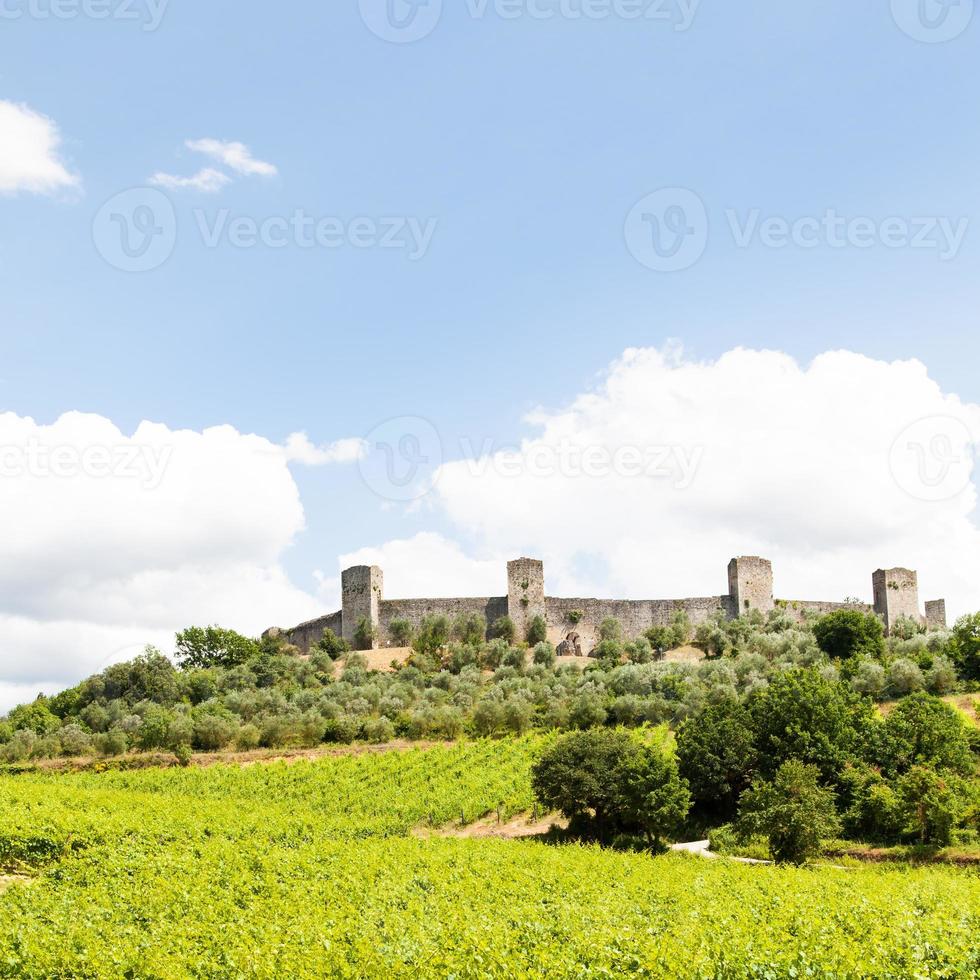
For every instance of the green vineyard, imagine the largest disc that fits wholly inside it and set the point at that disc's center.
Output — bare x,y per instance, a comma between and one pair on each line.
312,869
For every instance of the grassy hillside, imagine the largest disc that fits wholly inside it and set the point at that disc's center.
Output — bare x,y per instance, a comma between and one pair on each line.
310,869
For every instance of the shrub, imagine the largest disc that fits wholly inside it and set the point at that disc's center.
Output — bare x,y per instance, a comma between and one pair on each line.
932,803
364,634
869,678
213,732
502,629
792,811
432,635
848,633
611,630
35,716
904,676
378,730
248,737
537,631
515,657
332,645
470,629
401,632
544,654
113,742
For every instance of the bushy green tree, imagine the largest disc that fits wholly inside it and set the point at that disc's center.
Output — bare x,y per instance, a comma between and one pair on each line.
805,716
332,645
792,810
212,646
922,730
848,633
716,755
652,799
35,716
933,804
964,646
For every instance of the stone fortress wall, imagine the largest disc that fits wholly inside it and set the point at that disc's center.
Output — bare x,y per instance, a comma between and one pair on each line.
750,586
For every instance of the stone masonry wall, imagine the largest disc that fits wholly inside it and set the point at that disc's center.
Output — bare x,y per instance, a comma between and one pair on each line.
306,634
415,610
636,616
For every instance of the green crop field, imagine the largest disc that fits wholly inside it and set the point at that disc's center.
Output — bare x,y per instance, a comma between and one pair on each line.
311,869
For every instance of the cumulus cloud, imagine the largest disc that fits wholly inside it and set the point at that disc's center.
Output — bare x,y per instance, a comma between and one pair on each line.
237,157
648,484
207,181
299,449
114,540
30,153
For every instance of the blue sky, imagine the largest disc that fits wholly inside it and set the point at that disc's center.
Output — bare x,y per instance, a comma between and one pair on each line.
527,142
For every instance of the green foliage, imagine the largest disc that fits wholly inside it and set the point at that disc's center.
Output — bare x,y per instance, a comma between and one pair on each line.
364,634
610,630
332,645
36,717
212,646
401,632
849,633
792,811
432,635
503,629
716,754
924,730
965,646
537,631
933,804
544,654
803,715
614,783
313,870
470,629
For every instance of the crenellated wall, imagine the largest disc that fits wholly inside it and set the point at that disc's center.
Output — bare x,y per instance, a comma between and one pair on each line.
750,589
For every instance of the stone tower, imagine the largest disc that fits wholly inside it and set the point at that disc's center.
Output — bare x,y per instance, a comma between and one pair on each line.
936,614
896,592
750,585
362,589
525,593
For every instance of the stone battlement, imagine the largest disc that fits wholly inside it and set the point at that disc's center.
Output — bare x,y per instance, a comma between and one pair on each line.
750,587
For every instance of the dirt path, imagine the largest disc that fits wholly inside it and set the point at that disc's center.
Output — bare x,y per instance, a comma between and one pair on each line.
523,825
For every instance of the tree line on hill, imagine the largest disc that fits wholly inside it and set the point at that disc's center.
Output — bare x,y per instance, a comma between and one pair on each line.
771,694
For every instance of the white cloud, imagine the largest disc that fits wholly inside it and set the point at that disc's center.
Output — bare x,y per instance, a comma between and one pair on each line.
299,449
112,541
794,464
237,156
207,181
29,152
422,566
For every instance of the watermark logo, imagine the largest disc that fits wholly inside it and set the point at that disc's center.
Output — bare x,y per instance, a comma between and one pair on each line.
136,231
933,458
933,21
401,21
402,458
148,13
667,231
145,465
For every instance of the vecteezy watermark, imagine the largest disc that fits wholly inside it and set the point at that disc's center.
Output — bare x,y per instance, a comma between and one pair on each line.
136,231
405,21
933,21
301,230
405,455
668,230
144,464
942,235
148,14
933,458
